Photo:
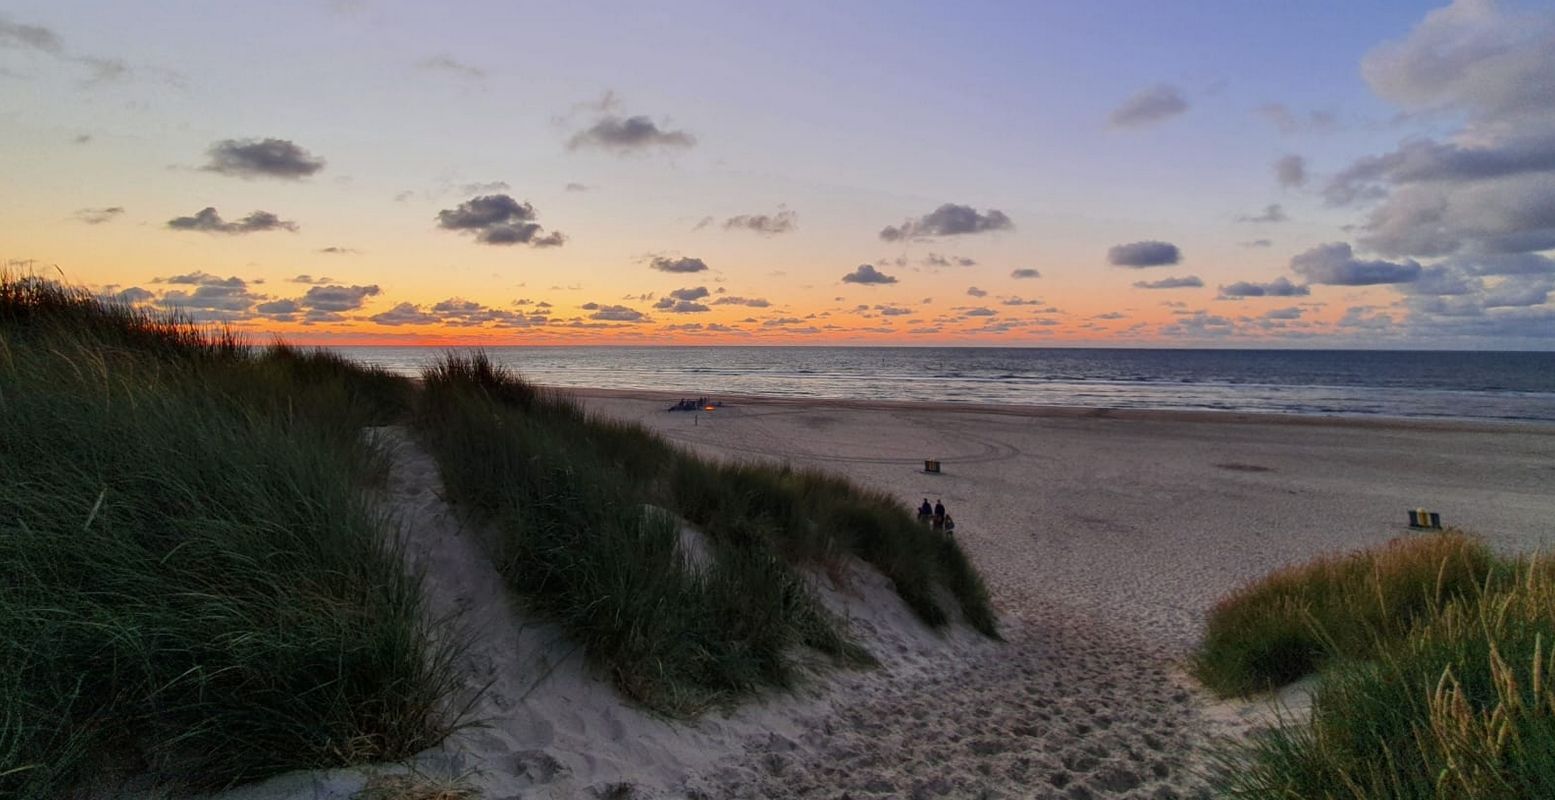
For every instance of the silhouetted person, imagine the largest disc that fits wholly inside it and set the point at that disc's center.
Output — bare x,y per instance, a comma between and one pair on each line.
925,511
939,515
950,524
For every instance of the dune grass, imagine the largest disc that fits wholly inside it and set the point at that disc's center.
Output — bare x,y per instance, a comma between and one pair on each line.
1434,659
573,500
1288,624
196,590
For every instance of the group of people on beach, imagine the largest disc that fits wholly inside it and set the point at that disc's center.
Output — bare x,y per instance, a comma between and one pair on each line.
694,404
935,516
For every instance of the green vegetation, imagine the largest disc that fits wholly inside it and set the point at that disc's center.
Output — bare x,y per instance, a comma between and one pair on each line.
1290,623
196,590
1435,681
573,500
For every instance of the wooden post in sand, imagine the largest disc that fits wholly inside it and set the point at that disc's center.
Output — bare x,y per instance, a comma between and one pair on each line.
931,465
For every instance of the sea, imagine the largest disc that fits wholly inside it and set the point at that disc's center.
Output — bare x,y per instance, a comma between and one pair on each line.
1508,386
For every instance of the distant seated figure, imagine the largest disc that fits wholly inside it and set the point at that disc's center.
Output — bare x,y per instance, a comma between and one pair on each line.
950,524
925,511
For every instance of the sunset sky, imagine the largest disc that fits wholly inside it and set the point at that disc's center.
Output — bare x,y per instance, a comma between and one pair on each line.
1222,173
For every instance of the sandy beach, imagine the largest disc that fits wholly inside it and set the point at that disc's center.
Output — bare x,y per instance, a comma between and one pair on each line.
1105,536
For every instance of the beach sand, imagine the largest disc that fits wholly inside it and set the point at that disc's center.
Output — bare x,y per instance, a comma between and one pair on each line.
1104,537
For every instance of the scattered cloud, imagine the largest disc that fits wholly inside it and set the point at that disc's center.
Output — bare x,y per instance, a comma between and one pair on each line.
1185,282
335,299
1505,264
628,135
460,313
680,306
489,187
731,300
452,66
1288,121
1025,273
405,314
614,313
1200,324
1290,171
14,35
1279,287
683,301
133,295
687,264
279,310
948,220
979,312
1149,106
1443,280
38,39
339,251
1489,187
1273,212
1335,264
1258,243
98,216
207,220
209,303
262,158
937,260
201,278
498,219
575,187
867,274
310,280
1138,255
784,221
976,292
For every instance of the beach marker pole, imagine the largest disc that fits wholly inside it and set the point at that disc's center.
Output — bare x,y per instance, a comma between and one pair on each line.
1420,519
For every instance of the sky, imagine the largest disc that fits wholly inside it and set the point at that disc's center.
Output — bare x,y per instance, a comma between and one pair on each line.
1216,173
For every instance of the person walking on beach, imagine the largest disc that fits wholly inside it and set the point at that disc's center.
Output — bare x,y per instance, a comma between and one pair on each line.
925,511
939,515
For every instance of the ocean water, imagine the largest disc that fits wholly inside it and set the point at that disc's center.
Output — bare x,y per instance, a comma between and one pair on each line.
1461,385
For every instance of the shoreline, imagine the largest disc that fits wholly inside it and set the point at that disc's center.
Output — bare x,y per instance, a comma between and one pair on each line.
1163,415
